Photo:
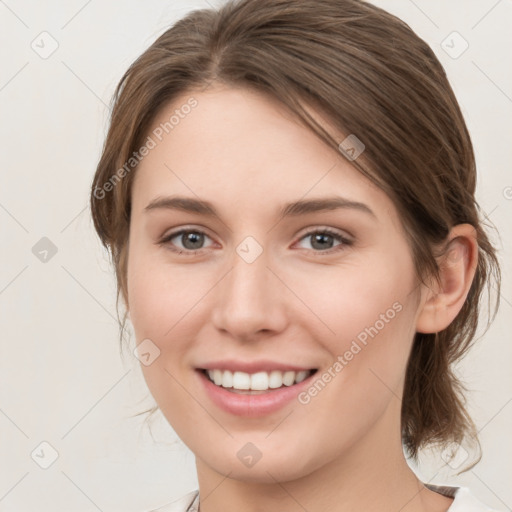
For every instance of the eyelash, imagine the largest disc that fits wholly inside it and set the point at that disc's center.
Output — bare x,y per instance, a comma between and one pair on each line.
345,242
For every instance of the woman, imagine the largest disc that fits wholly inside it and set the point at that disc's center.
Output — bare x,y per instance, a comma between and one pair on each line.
287,189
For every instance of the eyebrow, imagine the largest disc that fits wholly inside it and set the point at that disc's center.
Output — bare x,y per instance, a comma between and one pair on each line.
296,208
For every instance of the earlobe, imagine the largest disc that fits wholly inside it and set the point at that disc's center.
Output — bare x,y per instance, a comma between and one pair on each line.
457,266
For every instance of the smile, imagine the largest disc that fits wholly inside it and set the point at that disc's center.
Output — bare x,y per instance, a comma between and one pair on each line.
261,381
254,394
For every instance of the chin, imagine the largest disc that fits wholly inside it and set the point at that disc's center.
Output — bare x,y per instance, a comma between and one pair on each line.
276,466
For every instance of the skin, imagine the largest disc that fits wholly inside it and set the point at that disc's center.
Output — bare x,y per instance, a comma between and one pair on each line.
245,154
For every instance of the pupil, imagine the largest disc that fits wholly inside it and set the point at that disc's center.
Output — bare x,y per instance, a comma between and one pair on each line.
195,238
320,238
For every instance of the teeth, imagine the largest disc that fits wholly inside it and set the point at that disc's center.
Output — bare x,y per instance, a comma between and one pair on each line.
227,380
302,375
275,379
217,377
260,381
241,380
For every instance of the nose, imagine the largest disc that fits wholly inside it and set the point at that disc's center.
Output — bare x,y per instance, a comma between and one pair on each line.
250,300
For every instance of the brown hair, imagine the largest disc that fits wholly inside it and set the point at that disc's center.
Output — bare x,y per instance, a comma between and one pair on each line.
371,76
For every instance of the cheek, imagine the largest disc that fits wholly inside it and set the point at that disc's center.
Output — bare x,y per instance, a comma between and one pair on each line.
157,293
357,300
158,303
373,320
367,312
165,302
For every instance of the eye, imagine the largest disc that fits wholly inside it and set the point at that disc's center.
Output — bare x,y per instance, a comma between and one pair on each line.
322,240
191,239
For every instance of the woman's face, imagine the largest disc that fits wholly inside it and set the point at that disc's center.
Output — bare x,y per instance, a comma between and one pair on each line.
266,296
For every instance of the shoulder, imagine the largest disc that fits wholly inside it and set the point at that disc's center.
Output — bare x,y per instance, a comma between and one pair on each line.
463,499
187,503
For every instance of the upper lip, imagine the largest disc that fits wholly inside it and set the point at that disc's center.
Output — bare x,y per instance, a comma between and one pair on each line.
252,366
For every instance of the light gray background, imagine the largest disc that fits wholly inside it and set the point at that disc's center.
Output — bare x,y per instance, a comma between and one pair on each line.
62,379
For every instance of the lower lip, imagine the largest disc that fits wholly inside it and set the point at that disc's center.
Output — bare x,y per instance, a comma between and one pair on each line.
252,405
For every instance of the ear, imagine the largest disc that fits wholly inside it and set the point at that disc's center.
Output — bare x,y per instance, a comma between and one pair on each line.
457,266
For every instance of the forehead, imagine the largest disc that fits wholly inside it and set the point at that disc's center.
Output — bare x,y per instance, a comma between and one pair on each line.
237,125
243,148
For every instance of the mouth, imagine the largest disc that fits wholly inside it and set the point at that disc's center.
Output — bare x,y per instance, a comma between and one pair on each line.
253,388
256,383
